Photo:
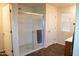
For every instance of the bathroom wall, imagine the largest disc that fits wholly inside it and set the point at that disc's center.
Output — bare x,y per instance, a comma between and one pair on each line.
53,32
63,35
51,24
1,32
1,28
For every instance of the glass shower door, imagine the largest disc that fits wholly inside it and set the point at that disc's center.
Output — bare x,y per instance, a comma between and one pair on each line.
25,33
30,32
37,31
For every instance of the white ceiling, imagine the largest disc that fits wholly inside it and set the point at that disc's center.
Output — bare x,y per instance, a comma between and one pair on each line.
31,4
62,4
2,4
40,4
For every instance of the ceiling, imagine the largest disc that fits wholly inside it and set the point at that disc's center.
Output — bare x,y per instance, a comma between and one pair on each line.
62,4
2,4
31,4
41,4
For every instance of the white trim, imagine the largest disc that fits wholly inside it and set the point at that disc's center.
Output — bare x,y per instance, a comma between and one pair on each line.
15,29
32,51
31,13
62,43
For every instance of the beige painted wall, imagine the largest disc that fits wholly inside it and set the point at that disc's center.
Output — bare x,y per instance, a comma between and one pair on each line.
61,35
54,34
51,24
1,28
1,32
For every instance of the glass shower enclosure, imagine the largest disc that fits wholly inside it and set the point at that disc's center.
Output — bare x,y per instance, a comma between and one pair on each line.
30,32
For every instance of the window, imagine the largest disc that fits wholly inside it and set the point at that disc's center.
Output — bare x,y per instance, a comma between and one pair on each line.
66,21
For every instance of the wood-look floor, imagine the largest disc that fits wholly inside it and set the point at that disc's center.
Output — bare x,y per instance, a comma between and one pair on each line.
53,50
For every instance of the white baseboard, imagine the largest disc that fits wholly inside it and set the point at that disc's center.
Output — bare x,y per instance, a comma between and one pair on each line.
32,51
49,45
62,43
54,43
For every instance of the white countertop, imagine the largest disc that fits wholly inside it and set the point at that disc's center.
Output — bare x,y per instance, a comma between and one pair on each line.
69,39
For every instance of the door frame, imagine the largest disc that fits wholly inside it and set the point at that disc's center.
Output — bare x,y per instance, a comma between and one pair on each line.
10,8
14,17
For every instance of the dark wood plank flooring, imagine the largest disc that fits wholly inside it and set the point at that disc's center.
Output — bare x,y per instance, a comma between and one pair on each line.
53,50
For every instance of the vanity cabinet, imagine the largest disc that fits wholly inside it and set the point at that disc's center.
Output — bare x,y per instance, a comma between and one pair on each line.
68,47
